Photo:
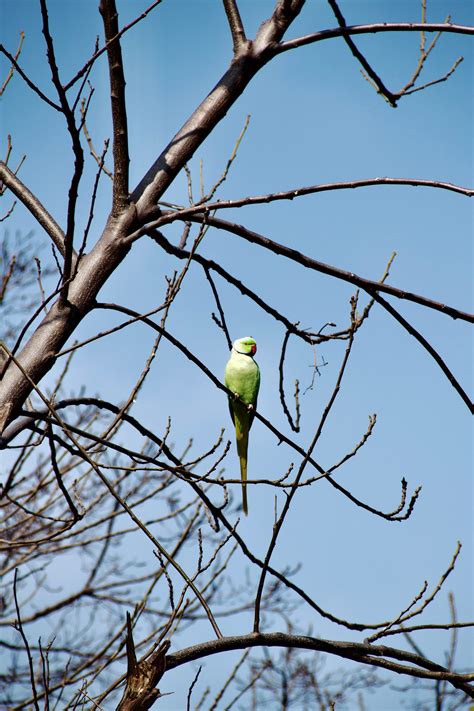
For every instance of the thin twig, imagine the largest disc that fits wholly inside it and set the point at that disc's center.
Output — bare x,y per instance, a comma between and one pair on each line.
379,85
19,627
12,68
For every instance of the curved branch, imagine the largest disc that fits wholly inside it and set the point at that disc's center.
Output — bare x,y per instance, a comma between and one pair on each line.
374,655
372,29
28,81
391,516
367,285
326,187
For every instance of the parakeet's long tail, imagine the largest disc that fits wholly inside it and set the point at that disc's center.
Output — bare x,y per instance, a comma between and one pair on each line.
242,447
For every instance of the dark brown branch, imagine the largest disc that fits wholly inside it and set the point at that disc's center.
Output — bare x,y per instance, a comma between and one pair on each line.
216,511
221,322
326,187
375,655
75,513
76,147
209,264
391,516
367,285
295,426
19,627
381,88
108,10
427,346
103,49
256,238
286,507
28,81
371,29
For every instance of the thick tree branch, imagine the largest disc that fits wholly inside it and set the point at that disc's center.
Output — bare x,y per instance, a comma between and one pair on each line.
214,107
108,10
375,655
39,212
39,354
235,23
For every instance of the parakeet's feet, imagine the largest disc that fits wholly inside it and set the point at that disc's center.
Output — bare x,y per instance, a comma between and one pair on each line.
250,408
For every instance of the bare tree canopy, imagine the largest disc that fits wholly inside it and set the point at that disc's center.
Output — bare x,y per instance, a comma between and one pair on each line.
177,176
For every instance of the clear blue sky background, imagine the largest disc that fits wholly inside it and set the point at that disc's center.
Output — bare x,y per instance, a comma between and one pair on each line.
314,119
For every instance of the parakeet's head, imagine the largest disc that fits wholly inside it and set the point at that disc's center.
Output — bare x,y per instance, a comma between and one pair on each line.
246,346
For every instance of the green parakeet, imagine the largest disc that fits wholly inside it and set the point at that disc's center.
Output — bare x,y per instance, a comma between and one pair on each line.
242,376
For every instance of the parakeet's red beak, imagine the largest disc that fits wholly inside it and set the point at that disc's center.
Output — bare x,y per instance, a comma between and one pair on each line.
254,349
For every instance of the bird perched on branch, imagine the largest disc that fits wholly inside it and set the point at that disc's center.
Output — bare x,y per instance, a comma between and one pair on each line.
242,377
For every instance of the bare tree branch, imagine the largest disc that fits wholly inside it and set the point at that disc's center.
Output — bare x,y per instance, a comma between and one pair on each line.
376,655
32,203
108,10
76,147
428,347
371,29
379,84
9,76
235,23
28,81
103,49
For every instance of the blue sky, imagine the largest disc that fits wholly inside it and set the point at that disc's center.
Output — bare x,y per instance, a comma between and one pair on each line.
314,119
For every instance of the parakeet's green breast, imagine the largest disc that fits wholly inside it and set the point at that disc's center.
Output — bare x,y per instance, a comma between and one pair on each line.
242,374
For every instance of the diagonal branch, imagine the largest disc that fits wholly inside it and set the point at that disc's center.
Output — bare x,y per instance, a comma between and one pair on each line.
367,285
12,68
100,51
108,10
27,80
32,203
214,107
427,346
379,85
